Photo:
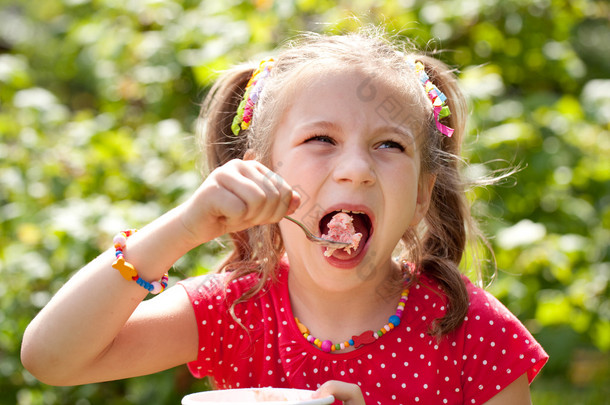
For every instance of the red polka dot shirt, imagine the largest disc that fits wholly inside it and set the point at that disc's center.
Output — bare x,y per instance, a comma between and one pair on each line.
405,366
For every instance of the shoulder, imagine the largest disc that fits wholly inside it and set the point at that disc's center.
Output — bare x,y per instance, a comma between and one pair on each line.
485,309
219,283
482,305
489,321
217,292
427,302
497,348
225,288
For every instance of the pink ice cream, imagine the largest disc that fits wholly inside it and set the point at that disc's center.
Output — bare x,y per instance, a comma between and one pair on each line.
341,229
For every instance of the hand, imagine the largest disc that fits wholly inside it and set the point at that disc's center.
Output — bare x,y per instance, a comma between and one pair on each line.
350,394
236,196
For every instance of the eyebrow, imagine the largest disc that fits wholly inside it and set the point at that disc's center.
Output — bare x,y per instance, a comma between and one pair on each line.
329,125
400,131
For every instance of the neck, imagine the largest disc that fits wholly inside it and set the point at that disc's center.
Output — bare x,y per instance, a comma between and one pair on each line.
337,315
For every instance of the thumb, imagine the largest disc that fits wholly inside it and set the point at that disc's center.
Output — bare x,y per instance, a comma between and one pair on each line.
295,201
350,394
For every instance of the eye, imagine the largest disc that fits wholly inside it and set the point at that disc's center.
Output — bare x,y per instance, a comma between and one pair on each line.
321,138
391,145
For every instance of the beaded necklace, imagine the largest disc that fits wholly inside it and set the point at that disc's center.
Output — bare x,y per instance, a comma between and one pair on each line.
365,337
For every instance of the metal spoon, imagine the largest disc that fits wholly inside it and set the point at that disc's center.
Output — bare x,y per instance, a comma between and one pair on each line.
321,241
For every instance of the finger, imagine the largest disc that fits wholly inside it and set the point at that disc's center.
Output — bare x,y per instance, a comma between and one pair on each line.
350,394
224,204
278,197
288,200
279,194
233,195
239,189
265,194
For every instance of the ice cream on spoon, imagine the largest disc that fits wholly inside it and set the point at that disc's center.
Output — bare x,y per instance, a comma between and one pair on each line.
341,228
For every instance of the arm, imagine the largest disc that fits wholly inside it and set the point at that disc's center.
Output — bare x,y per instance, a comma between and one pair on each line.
160,334
517,393
97,328
74,332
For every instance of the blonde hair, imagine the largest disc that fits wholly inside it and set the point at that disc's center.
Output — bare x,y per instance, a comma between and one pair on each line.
437,245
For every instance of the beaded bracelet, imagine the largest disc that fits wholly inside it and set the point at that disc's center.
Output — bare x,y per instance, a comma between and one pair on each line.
128,271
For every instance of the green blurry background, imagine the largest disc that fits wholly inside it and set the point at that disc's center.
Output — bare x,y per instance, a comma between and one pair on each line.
98,101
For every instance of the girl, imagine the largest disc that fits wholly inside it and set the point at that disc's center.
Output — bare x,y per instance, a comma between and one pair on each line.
334,124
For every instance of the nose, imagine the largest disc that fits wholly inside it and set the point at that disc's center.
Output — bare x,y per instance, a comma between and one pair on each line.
354,166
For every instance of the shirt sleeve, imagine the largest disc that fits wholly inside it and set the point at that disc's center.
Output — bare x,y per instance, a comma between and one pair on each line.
497,348
224,331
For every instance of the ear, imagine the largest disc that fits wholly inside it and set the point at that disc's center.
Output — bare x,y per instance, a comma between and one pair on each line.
424,195
249,155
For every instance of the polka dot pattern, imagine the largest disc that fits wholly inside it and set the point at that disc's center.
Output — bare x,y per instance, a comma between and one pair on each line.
471,365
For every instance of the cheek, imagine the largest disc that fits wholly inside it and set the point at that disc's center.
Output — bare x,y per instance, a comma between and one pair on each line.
402,177
401,191
300,168
308,190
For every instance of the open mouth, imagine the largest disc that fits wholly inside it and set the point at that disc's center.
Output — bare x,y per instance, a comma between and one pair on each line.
346,226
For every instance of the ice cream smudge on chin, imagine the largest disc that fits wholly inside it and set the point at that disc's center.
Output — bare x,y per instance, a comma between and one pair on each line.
341,229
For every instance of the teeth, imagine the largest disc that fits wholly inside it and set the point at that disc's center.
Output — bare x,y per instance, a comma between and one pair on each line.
352,212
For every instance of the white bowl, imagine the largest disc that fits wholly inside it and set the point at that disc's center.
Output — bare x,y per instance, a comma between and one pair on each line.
248,396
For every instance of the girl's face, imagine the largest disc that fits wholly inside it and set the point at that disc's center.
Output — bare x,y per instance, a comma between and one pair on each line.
347,141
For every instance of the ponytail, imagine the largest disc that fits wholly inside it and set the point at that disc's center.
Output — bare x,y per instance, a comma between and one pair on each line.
448,222
219,143
255,249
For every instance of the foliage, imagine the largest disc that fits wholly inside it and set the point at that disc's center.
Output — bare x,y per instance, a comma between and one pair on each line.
98,104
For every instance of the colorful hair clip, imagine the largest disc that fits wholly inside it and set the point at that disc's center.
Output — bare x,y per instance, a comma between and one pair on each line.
438,99
253,90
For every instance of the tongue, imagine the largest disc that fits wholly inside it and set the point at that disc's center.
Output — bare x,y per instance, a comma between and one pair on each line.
361,227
